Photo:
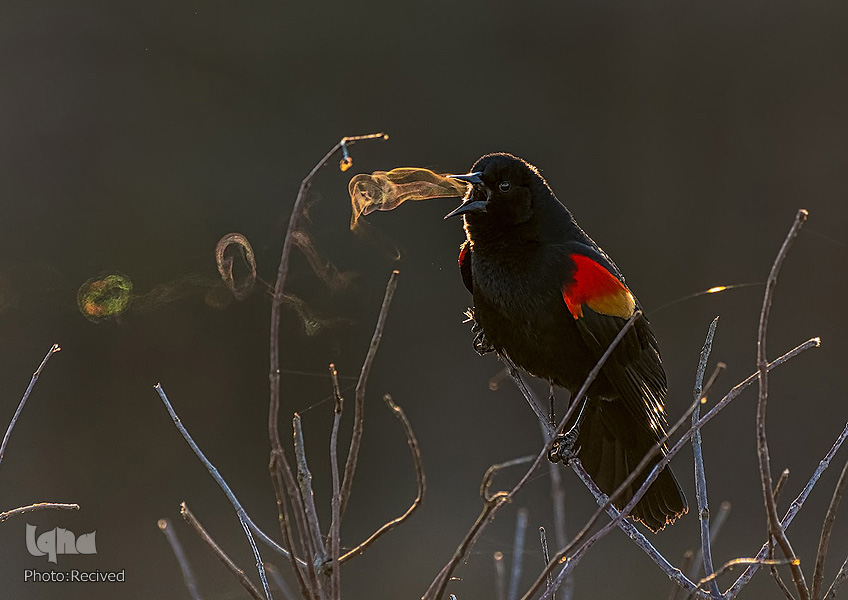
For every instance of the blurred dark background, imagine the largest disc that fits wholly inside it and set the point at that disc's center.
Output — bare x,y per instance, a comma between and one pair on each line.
683,136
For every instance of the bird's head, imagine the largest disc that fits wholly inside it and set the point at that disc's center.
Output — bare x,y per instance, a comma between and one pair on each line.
501,190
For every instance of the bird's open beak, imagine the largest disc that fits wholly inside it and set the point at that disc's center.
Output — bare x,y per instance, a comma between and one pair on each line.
469,205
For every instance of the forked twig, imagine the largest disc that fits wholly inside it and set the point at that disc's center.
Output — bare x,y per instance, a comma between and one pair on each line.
189,518
773,520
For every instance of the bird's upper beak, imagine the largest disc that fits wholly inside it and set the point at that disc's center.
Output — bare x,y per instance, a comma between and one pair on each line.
469,205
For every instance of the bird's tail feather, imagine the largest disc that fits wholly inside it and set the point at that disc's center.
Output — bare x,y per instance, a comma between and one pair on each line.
611,445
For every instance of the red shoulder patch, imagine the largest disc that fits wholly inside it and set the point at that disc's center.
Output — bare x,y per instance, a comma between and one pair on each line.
464,262
594,286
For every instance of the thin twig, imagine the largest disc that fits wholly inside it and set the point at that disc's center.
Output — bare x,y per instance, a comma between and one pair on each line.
716,524
38,506
188,575
335,524
53,350
282,477
796,505
491,502
778,487
728,566
827,529
700,474
840,578
517,553
242,514
773,520
232,567
500,576
359,406
420,481
546,555
304,480
301,570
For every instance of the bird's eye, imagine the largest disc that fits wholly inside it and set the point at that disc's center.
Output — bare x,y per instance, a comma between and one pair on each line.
503,186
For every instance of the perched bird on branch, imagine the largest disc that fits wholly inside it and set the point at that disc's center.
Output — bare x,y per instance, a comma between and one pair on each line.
547,297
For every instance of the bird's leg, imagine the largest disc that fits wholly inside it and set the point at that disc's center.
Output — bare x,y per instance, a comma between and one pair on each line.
552,414
562,447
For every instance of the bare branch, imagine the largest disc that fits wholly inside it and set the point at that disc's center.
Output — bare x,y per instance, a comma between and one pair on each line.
827,529
796,505
242,514
38,506
302,571
188,575
500,576
778,487
700,474
546,555
841,576
217,551
716,524
728,566
773,520
276,308
628,527
335,503
517,553
397,411
53,350
359,406
304,480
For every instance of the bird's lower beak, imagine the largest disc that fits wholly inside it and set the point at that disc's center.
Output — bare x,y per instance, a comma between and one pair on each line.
468,206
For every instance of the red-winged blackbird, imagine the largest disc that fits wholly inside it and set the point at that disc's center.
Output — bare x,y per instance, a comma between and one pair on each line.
551,300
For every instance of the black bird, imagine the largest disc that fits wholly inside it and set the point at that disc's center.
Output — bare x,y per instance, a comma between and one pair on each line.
551,300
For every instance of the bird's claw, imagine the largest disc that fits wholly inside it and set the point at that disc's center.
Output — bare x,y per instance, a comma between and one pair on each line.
481,344
563,447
